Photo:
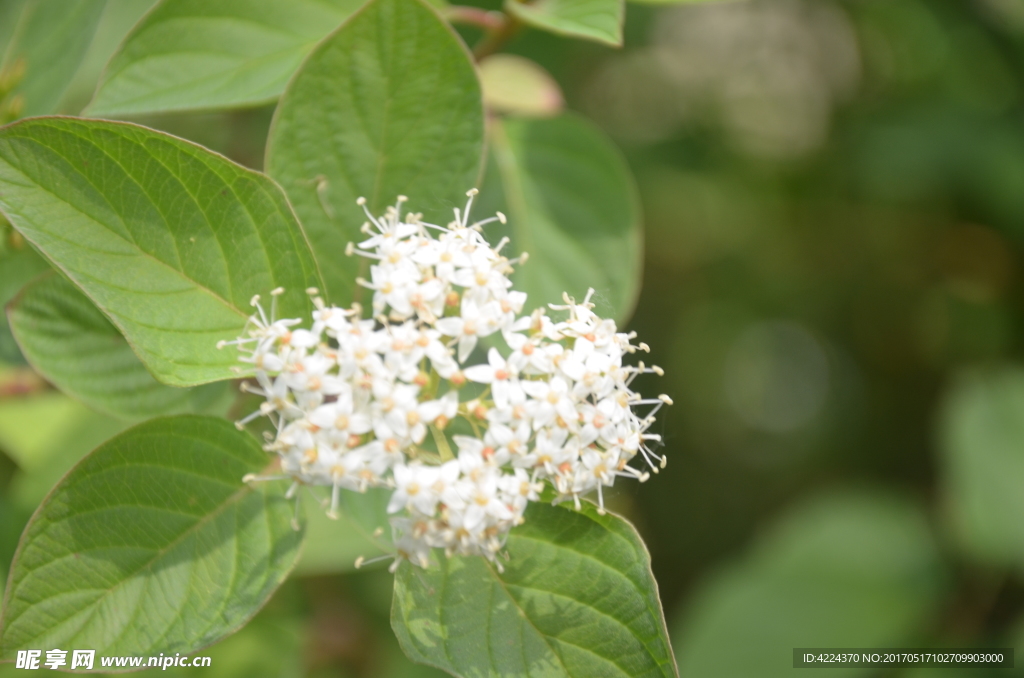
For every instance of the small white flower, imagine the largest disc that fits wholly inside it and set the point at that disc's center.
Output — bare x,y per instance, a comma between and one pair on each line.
473,323
508,442
502,377
311,373
483,282
520,489
416,551
483,504
340,418
476,454
413,489
551,403
446,256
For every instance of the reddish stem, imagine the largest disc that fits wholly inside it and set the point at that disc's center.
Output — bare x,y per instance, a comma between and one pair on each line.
474,16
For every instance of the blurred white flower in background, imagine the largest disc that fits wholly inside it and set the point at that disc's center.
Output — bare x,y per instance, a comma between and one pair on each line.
776,376
771,72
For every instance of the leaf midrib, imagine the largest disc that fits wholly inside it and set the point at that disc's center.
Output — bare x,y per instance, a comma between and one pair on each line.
508,594
515,601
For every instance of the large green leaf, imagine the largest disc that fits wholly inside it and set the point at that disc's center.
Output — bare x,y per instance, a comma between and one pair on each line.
272,645
49,42
9,13
68,341
118,19
599,20
388,105
577,598
202,54
17,267
982,435
572,205
12,522
169,240
850,569
151,544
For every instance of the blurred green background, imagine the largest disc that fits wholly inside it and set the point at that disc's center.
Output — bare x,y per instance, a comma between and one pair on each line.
834,209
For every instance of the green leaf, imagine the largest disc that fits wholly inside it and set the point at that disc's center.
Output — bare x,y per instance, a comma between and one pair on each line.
333,546
513,84
49,42
17,267
169,240
676,2
572,206
202,54
69,342
151,544
388,105
9,13
12,522
982,443
118,18
577,598
849,569
598,20
270,646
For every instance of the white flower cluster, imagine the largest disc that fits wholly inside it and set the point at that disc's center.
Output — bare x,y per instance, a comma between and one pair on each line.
381,402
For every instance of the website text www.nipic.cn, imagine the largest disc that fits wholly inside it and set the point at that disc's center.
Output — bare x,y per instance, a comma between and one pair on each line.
86,659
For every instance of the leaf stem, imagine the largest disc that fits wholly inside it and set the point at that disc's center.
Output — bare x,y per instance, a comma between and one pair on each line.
21,382
442,444
474,16
496,38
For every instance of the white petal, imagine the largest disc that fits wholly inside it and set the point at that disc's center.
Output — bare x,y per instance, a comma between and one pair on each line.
431,410
359,424
272,363
536,389
500,389
468,443
397,503
481,374
450,327
304,339
466,346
